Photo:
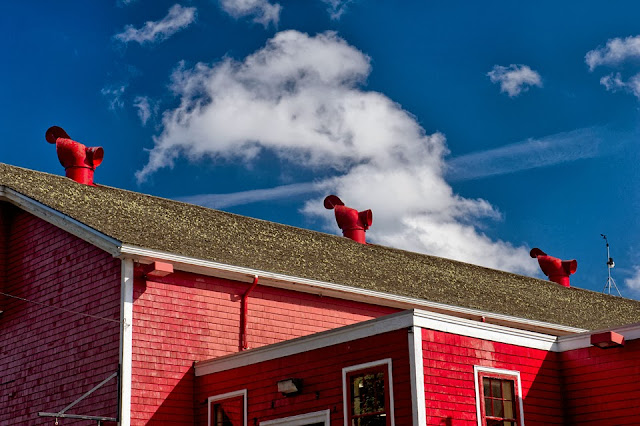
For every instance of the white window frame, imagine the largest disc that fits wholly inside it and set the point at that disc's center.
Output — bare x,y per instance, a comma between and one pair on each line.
477,369
302,419
365,366
228,395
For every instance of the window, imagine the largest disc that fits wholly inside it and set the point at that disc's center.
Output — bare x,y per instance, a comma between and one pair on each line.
229,409
317,418
368,394
498,397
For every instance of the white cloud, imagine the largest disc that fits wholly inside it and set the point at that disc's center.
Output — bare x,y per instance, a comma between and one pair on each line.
114,96
615,52
336,8
614,82
633,283
532,153
177,19
300,98
263,11
514,79
145,108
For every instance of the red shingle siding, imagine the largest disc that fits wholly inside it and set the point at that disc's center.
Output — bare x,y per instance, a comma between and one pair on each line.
602,386
184,318
49,357
449,378
321,373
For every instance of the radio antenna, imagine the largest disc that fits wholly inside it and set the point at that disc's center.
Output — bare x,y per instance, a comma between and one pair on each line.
610,264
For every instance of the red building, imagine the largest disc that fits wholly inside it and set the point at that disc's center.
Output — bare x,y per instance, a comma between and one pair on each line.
162,299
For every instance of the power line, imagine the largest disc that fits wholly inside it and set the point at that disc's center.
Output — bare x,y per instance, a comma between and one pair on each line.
60,309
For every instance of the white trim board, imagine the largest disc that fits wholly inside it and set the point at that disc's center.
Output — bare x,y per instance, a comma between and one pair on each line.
301,419
228,395
393,322
365,366
416,366
62,221
489,370
340,291
126,340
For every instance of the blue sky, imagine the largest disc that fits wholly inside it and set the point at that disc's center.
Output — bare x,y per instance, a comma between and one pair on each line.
473,130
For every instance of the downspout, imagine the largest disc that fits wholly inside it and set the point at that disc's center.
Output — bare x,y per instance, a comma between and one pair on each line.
243,315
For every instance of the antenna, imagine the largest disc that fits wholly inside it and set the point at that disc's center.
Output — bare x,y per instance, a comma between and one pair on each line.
610,264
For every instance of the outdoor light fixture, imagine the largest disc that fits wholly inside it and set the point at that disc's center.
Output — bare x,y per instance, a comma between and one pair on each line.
607,340
290,387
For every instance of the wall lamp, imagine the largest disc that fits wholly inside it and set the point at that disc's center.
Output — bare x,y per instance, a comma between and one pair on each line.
290,387
607,340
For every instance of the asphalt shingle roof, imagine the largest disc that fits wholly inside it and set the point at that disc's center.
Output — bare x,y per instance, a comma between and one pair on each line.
161,224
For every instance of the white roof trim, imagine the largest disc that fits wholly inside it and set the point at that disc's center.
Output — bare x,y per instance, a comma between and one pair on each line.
324,288
583,340
79,229
237,273
393,322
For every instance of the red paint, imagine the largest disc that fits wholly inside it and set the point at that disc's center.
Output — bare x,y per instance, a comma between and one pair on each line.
49,358
557,270
79,161
353,223
158,269
243,319
186,317
321,372
607,340
449,378
602,386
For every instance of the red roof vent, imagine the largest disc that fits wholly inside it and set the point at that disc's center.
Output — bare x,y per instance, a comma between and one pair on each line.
79,162
352,222
557,270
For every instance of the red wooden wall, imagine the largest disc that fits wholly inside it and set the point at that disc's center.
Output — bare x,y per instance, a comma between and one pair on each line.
321,372
449,378
184,317
602,386
50,357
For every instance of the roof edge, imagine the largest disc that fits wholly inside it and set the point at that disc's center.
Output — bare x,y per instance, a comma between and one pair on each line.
62,221
272,279
385,324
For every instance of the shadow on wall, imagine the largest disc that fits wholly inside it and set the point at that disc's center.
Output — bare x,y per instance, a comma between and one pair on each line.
178,406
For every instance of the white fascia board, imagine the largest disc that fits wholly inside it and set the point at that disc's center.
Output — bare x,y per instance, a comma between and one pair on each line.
62,221
242,274
485,331
416,367
324,288
583,340
320,340
413,318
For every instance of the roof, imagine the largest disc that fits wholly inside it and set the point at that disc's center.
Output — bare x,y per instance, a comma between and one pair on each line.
193,231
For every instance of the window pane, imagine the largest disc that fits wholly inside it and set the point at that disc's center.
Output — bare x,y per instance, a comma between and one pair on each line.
229,412
495,388
368,393
488,408
507,390
508,410
485,386
497,408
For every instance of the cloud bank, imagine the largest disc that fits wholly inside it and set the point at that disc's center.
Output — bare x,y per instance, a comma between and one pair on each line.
300,97
177,19
262,11
514,79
